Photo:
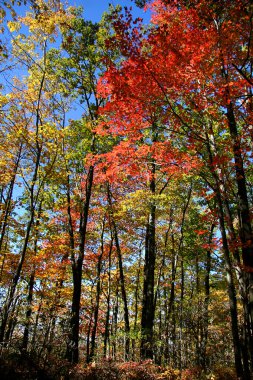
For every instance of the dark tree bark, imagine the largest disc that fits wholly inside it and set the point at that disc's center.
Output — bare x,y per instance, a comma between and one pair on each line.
72,353
148,310
8,200
29,311
205,322
31,287
107,318
121,274
229,270
98,291
136,303
114,328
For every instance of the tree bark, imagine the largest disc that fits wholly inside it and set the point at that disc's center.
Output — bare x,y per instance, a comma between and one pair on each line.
121,274
148,311
7,210
205,323
72,353
229,271
98,291
107,318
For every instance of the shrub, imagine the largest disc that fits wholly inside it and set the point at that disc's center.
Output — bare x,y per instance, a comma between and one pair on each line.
223,373
169,374
194,373
138,371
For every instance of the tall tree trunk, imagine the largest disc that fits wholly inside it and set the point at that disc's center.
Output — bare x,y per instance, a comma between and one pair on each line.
89,327
107,318
77,264
7,210
246,234
148,311
245,231
121,274
204,333
181,351
31,286
115,324
98,291
229,271
240,274
136,303
29,311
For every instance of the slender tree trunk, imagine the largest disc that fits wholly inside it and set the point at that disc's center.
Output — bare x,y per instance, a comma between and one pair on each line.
148,310
198,322
98,291
245,231
29,311
30,287
77,264
121,274
240,274
89,329
229,272
246,234
107,318
4,255
7,210
181,340
174,262
12,321
204,334
136,303
115,324
173,337
34,337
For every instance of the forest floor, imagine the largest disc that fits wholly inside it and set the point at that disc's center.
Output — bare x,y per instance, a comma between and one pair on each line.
25,367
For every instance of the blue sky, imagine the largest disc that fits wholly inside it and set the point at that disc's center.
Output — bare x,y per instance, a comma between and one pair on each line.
93,9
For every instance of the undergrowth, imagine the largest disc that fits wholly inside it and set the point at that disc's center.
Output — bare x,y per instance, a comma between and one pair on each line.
25,367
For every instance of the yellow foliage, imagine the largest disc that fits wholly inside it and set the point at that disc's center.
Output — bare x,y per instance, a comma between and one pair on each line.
48,19
13,26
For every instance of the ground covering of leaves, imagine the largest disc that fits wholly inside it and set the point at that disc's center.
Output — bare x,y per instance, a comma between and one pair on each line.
25,367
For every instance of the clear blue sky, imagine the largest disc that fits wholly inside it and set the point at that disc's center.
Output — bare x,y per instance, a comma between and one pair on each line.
93,9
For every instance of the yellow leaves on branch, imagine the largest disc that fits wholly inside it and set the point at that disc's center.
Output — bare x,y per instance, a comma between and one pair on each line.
14,26
48,19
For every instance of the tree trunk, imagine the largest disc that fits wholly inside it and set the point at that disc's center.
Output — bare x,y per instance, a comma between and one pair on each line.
204,333
245,231
7,210
29,311
72,353
181,364
122,277
98,290
107,318
30,287
115,324
229,271
136,302
148,311
246,234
